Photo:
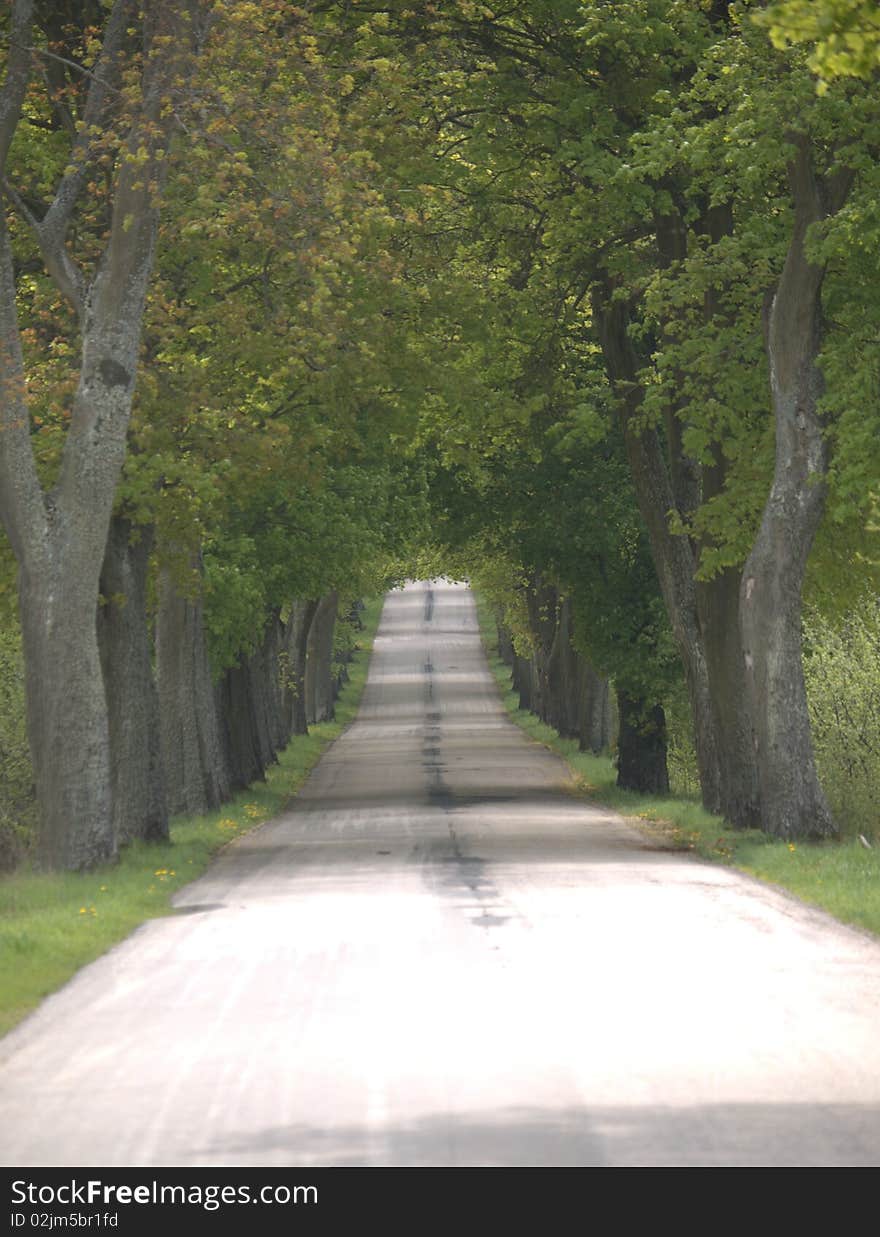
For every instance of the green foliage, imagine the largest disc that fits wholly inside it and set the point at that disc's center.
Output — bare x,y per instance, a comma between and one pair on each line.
336,530
681,756
843,36
842,671
370,349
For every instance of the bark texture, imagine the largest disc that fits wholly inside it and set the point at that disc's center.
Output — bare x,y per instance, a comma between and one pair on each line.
273,664
505,643
718,609
296,643
253,714
192,750
565,680
320,696
792,801
641,747
542,605
596,720
140,808
60,537
235,712
719,763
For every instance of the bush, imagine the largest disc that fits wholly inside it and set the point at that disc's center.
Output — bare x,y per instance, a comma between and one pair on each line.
681,755
17,803
842,669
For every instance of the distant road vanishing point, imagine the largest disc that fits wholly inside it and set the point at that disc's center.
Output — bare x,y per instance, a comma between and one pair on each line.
440,956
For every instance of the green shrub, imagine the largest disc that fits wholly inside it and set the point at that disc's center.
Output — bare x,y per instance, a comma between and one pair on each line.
842,669
681,755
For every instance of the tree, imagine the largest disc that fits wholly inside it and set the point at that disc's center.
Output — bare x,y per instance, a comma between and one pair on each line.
648,145
126,116
844,35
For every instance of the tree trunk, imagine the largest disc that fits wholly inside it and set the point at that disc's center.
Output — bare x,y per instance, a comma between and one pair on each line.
505,644
542,604
236,725
672,555
260,690
524,679
718,611
140,808
253,711
296,640
718,607
319,660
641,747
273,659
68,727
60,537
703,615
195,769
594,717
245,701
564,677
792,802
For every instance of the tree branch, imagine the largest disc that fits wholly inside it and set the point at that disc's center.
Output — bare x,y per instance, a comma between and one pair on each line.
17,76
21,498
55,223
63,269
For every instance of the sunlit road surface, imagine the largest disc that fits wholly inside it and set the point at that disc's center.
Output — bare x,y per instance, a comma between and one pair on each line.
440,956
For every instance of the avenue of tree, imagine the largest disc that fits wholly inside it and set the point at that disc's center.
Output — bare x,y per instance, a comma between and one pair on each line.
575,299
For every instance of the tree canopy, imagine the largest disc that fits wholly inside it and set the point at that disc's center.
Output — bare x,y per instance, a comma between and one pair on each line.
578,297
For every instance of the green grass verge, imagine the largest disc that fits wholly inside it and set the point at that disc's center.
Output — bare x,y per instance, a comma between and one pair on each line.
51,925
842,877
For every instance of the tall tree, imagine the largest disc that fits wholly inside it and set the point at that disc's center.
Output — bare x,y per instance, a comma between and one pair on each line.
122,113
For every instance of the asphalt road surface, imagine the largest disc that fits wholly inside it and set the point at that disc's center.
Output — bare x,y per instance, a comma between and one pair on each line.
440,956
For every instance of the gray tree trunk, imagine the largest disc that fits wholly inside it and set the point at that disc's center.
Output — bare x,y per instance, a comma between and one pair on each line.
276,705
564,677
523,679
140,808
296,643
59,538
542,604
236,726
195,768
718,612
261,687
247,696
703,615
68,727
673,557
641,747
792,802
319,660
594,718
718,609
505,644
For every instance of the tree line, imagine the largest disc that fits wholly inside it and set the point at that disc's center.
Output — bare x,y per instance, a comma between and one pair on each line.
575,299
673,220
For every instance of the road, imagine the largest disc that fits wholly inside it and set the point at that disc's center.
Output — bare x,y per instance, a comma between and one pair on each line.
440,956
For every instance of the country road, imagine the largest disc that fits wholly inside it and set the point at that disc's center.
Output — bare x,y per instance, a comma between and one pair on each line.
440,956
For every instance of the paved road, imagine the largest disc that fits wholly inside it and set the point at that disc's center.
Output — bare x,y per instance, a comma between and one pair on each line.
440,957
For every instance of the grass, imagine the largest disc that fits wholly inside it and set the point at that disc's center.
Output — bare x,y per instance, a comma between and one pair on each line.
841,877
53,924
